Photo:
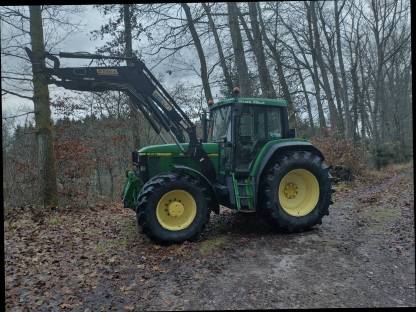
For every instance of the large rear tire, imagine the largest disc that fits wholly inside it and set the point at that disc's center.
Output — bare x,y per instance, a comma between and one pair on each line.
173,208
296,191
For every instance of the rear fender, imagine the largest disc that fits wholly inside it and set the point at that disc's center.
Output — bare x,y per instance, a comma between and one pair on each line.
275,150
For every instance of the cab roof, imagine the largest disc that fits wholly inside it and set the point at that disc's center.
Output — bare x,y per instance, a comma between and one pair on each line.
253,101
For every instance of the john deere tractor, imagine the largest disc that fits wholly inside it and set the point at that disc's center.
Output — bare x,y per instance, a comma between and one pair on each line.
247,159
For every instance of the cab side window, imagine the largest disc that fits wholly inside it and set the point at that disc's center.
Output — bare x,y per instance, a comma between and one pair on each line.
274,123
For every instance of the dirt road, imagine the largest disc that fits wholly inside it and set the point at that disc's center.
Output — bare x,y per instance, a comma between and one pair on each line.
363,255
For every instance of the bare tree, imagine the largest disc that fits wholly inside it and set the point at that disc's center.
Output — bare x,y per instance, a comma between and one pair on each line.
348,121
225,71
46,157
279,67
199,49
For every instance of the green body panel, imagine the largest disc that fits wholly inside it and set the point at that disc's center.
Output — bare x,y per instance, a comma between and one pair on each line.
161,158
209,148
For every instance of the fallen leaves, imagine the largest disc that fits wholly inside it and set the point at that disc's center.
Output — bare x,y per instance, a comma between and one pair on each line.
51,265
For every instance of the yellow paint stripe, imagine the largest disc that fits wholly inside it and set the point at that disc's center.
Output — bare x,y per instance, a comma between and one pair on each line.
171,154
155,154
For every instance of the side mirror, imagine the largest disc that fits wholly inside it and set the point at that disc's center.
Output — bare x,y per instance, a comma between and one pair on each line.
291,133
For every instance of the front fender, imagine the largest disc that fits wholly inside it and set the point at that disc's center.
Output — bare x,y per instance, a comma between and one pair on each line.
214,204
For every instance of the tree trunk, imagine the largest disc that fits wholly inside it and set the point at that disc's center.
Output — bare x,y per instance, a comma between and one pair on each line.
348,120
314,74
363,113
264,75
239,55
201,55
44,136
356,98
134,114
225,71
333,69
110,171
308,103
333,116
127,32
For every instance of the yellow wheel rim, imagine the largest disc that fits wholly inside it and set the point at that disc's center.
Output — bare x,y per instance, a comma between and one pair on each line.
176,210
298,192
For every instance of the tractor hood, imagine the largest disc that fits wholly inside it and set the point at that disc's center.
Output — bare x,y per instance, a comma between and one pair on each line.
172,149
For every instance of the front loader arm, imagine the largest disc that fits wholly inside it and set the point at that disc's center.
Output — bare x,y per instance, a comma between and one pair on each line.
148,96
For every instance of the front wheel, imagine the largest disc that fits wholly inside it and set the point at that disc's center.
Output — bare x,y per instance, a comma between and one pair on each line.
173,208
296,191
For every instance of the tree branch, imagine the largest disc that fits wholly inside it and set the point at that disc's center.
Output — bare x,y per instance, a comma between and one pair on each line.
16,94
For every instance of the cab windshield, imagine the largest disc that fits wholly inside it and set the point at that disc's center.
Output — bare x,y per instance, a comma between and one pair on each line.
220,125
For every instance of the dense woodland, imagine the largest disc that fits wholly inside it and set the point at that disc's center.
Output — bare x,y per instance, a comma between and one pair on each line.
343,66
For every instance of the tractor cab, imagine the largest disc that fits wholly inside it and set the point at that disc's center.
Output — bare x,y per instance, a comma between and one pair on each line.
242,126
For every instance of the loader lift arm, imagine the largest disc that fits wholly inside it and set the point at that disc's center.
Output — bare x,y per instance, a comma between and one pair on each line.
146,92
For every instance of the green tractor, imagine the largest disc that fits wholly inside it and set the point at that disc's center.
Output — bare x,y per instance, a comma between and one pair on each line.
247,159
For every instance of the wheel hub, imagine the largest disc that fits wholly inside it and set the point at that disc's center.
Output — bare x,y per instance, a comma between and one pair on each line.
175,209
291,190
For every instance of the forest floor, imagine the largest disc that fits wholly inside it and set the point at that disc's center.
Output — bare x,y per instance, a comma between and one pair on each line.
363,255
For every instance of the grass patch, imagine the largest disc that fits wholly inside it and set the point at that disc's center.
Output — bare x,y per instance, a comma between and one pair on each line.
128,228
54,220
127,235
381,217
342,186
372,175
382,214
128,232
211,244
104,245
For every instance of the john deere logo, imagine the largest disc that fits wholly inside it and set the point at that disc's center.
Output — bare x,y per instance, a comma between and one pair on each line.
107,71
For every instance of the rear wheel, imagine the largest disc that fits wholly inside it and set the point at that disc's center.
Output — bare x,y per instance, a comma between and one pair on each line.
173,208
296,191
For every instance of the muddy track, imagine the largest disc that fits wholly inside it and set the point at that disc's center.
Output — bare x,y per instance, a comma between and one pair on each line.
361,256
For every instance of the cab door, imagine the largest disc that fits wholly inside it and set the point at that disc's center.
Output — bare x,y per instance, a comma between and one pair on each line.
221,132
255,125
